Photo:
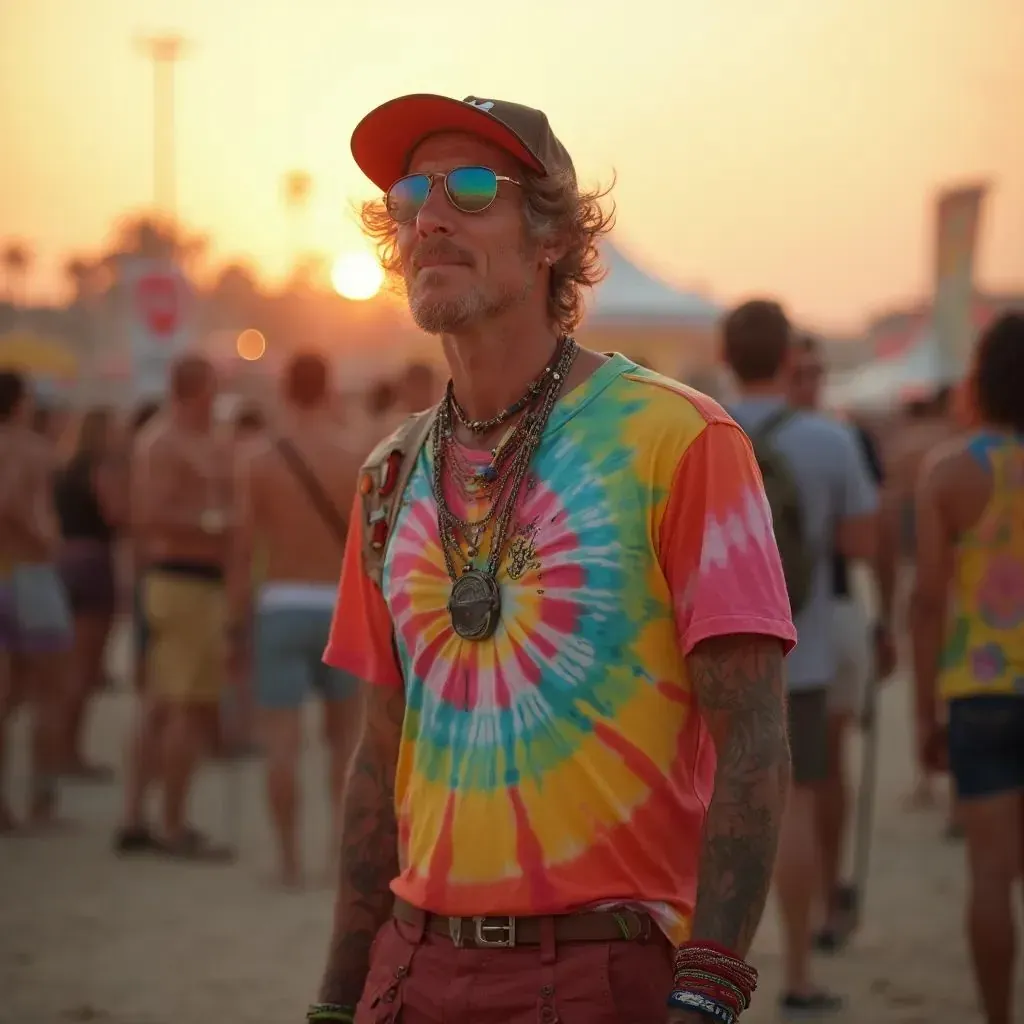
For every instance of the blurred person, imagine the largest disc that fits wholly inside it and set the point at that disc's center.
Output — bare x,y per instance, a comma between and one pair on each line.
862,654
418,388
824,504
89,510
236,735
35,622
141,759
929,421
142,415
536,771
967,621
293,493
180,497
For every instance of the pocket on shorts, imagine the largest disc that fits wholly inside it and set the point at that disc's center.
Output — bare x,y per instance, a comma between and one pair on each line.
640,980
390,954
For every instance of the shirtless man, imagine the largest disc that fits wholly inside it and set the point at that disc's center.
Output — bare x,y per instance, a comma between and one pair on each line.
292,497
180,482
35,622
927,424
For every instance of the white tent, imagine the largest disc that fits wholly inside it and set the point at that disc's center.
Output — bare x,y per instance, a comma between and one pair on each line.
917,372
631,294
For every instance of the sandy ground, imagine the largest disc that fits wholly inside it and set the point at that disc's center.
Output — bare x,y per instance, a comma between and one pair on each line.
87,937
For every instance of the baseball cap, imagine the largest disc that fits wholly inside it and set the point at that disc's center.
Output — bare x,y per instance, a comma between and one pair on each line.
384,138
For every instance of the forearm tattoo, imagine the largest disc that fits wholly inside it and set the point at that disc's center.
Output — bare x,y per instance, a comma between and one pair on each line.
369,854
739,685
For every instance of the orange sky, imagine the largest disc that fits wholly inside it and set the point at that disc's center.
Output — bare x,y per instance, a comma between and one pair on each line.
789,146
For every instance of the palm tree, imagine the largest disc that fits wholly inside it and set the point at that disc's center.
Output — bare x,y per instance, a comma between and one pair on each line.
298,187
17,260
79,272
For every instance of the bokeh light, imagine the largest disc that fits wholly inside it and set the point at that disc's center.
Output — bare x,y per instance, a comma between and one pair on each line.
251,345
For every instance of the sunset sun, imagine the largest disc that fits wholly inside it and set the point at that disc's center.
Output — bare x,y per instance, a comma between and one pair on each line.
357,276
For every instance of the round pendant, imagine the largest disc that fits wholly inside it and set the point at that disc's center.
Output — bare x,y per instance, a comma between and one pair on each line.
475,605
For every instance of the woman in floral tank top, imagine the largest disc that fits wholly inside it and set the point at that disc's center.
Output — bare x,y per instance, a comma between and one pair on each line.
968,633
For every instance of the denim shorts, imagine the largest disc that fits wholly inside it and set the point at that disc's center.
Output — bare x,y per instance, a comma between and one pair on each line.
288,658
986,745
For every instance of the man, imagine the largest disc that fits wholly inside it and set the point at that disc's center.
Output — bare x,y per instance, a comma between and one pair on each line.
836,507
859,657
293,493
418,387
35,621
967,621
536,767
180,481
924,425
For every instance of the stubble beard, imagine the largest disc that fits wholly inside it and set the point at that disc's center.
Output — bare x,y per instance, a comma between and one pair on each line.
447,316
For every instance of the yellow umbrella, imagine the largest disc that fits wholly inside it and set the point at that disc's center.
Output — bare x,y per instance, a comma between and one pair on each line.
36,355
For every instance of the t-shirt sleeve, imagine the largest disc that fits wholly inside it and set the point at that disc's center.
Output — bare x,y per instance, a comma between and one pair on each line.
360,641
858,494
717,548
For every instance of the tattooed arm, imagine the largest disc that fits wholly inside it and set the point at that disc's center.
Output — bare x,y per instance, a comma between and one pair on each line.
369,853
738,682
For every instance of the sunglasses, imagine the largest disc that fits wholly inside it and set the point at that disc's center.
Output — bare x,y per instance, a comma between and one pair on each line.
469,190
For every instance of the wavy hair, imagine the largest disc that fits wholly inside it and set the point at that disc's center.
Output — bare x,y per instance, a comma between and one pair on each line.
553,208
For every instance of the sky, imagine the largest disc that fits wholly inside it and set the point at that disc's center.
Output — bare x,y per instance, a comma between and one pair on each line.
791,147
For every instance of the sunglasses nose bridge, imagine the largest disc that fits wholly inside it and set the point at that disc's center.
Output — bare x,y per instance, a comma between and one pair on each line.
436,211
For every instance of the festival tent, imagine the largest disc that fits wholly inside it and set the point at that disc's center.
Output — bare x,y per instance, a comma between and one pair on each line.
635,312
915,373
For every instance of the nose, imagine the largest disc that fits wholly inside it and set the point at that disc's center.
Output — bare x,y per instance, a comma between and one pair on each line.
435,216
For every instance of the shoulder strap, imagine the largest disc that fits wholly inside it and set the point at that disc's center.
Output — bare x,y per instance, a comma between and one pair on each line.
321,500
775,420
382,482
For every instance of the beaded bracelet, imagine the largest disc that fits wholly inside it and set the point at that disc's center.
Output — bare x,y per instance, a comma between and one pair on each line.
701,1004
330,1013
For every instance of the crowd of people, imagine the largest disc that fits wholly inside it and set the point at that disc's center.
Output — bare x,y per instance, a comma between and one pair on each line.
191,527
596,653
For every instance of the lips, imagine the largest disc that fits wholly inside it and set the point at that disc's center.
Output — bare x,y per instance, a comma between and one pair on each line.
429,264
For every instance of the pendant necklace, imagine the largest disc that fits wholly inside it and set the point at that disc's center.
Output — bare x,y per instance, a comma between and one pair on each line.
474,602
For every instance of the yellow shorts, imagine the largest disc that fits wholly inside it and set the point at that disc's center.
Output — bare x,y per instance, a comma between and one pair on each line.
186,618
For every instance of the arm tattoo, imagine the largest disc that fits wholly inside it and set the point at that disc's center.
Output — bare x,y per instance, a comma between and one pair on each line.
369,853
739,683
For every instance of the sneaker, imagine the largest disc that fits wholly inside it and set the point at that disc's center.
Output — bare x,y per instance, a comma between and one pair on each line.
811,1006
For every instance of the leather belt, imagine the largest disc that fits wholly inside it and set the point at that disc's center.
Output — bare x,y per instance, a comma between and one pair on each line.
490,932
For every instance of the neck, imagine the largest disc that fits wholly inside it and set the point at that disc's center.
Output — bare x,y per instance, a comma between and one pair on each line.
763,389
492,365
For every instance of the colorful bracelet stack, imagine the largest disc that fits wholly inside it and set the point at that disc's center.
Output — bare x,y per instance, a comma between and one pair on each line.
710,980
330,1013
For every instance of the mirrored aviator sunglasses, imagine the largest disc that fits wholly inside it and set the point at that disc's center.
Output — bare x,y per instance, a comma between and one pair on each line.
469,190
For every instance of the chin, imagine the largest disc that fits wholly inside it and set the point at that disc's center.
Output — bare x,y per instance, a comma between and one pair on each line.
440,314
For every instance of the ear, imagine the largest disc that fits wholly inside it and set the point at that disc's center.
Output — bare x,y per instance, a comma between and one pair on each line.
551,250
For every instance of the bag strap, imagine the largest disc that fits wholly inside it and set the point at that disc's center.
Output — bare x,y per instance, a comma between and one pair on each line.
773,423
382,482
321,500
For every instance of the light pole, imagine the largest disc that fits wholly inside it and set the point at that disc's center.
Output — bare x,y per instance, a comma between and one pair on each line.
164,51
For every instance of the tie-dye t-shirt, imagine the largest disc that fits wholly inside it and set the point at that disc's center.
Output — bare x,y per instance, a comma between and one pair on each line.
562,763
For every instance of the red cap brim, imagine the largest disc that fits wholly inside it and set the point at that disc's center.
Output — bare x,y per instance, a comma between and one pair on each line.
383,140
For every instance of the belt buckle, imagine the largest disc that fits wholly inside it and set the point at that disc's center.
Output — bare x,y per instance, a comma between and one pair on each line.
487,927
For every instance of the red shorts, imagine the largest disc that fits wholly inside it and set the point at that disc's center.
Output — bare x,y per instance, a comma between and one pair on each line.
419,977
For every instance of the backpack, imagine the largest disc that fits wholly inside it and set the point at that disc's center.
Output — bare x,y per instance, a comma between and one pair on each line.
783,495
382,482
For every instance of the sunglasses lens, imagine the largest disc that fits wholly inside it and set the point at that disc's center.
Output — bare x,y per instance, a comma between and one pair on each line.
406,197
472,189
